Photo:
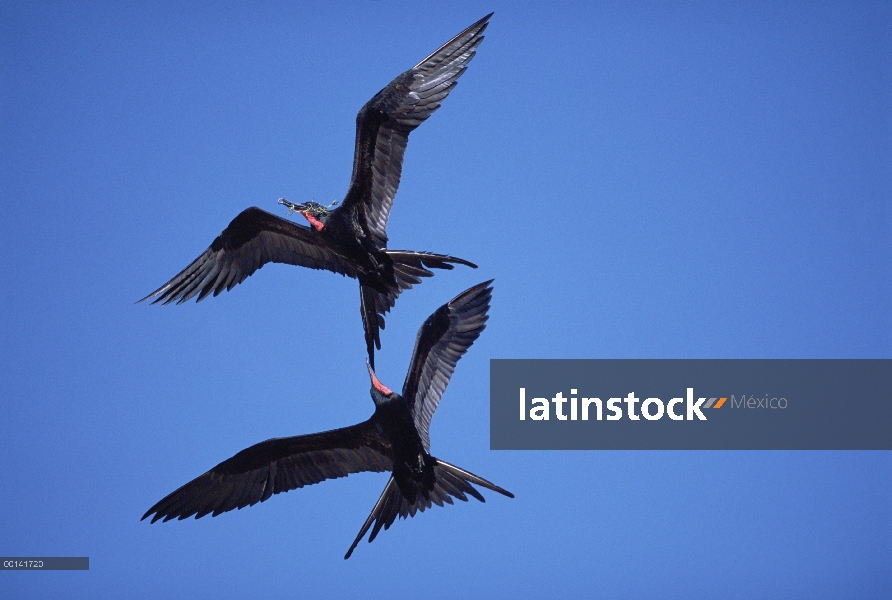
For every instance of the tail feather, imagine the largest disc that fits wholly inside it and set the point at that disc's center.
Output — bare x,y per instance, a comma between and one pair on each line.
427,259
372,319
408,268
376,511
449,482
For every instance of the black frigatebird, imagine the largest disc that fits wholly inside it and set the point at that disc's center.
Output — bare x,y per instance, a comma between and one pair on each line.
394,439
350,239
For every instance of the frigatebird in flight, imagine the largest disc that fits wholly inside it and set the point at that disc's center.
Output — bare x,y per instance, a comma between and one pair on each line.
350,239
394,439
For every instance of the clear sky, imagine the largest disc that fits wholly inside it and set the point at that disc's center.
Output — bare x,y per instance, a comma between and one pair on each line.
668,180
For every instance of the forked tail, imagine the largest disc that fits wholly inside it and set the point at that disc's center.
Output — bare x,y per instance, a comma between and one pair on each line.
450,481
408,268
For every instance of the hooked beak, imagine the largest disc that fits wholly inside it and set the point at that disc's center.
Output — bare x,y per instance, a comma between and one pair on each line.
375,383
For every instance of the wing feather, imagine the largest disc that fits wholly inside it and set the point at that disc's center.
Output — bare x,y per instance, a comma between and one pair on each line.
253,239
442,340
275,466
384,123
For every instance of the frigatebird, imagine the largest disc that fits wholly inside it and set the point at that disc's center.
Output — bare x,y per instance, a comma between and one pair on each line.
394,439
350,239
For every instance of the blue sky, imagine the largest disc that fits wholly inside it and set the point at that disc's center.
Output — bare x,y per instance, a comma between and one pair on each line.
665,181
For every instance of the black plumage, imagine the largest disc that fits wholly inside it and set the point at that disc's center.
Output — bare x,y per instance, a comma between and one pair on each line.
350,239
396,438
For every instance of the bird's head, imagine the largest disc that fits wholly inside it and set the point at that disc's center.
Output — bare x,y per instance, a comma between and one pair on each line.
380,393
312,211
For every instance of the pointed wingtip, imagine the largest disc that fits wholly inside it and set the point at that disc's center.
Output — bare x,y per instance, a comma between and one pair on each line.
483,20
478,28
157,294
473,291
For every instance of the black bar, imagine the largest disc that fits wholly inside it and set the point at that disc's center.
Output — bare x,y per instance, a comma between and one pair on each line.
769,404
44,563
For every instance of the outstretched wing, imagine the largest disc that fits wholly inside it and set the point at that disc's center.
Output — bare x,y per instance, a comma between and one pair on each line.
445,336
276,466
384,123
254,238
449,482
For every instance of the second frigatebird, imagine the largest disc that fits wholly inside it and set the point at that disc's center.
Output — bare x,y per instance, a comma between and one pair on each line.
350,239
395,439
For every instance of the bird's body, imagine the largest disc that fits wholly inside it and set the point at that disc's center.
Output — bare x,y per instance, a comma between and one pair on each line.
395,439
350,239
